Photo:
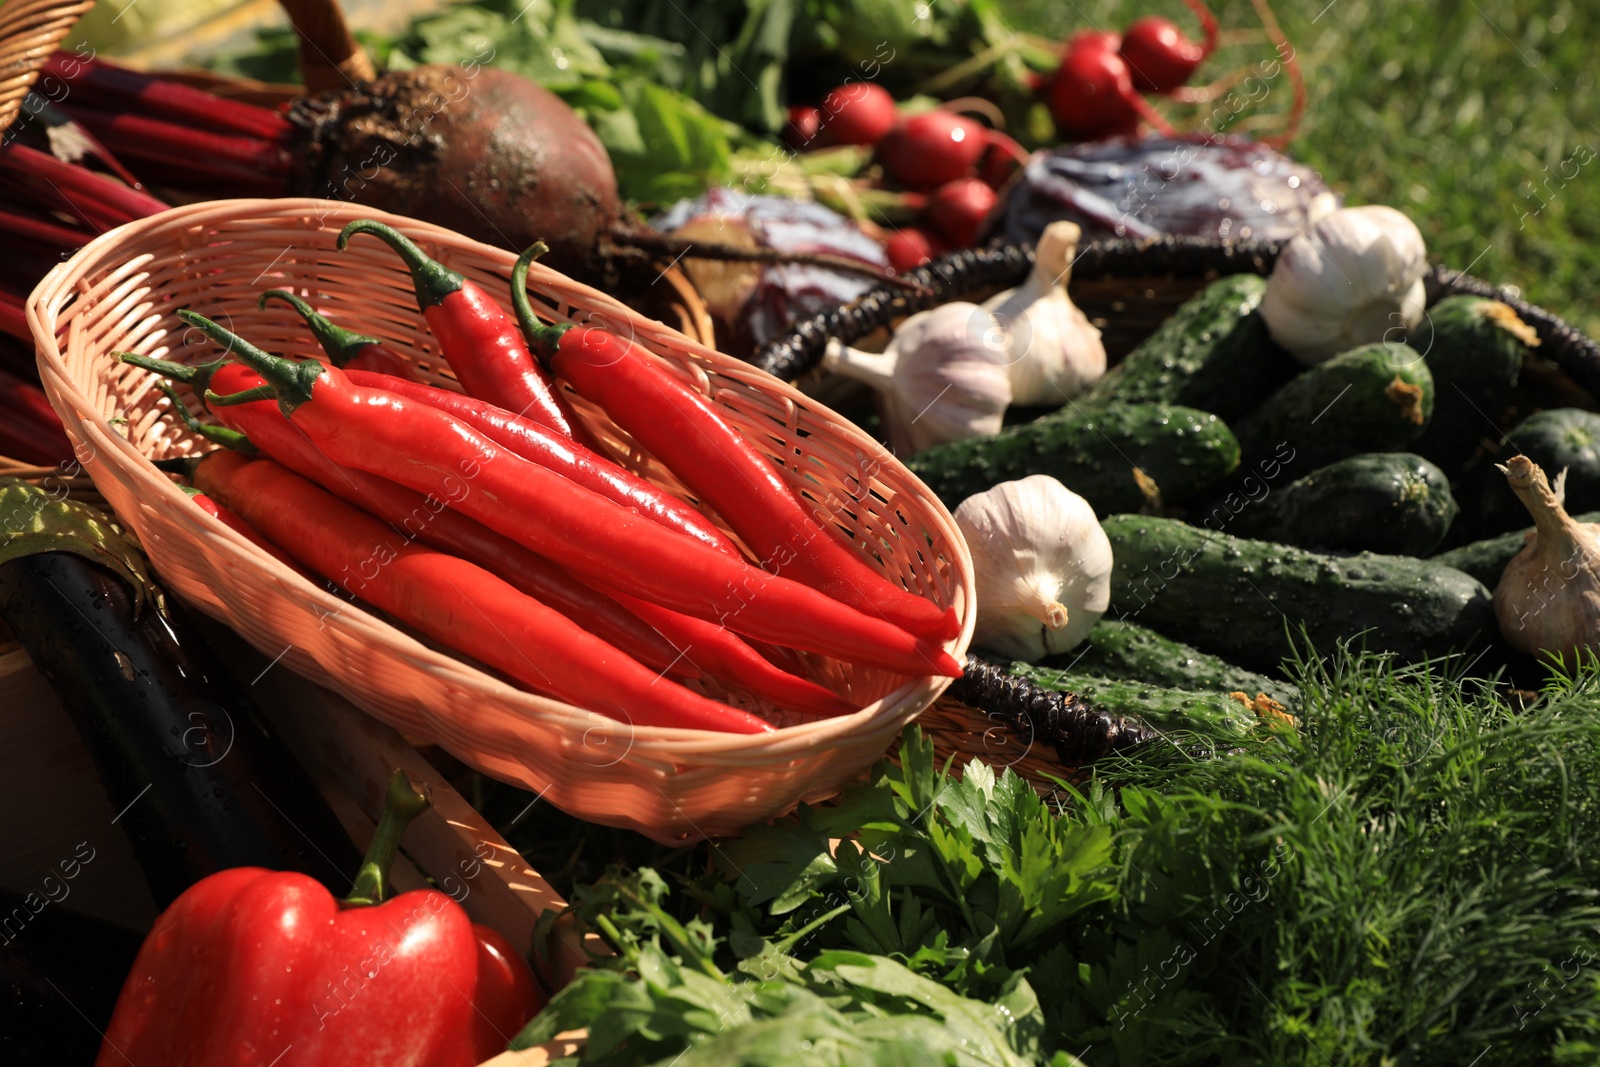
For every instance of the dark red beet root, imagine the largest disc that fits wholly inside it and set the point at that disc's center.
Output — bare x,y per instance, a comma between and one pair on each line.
484,152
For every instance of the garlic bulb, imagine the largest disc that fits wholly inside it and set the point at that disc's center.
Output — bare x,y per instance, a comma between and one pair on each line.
1548,598
1042,566
1354,278
943,376
1055,351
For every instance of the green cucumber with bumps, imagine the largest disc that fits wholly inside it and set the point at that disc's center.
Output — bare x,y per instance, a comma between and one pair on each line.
1093,452
1486,560
1126,650
1243,599
1213,353
1556,439
1376,398
1391,502
1475,349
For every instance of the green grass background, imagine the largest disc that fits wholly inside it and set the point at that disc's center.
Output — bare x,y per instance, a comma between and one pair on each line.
1464,115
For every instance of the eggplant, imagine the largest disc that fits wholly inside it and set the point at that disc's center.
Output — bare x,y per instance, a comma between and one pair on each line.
60,973
198,778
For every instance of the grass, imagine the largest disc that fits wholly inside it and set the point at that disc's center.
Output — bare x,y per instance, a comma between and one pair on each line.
1480,120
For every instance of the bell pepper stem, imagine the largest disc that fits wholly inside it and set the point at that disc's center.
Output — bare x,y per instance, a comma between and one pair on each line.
340,344
290,381
542,338
402,804
432,279
220,435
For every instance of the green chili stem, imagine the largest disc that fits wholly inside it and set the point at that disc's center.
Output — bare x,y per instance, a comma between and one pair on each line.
403,804
542,339
433,280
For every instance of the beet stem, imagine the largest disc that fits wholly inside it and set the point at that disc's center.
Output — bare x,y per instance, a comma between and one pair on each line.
35,167
100,84
182,150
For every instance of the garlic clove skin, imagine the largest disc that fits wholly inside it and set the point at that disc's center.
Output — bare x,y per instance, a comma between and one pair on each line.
1055,351
1548,598
1042,566
1354,278
943,376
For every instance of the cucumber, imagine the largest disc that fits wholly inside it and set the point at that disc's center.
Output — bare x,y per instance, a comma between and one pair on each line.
1093,453
1129,651
1376,398
1474,348
1486,560
1243,599
1214,354
1209,711
1559,438
1393,502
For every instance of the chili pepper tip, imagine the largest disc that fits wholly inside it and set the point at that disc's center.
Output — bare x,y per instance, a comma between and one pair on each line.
433,280
542,339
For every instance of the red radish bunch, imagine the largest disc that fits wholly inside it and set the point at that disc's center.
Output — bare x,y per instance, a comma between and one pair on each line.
1095,93
858,114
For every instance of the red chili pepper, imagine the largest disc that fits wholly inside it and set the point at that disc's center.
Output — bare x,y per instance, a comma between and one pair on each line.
479,340
346,348
721,467
251,966
419,447
235,523
456,602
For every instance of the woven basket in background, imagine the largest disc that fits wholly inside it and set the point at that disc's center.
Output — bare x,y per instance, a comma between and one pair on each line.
121,292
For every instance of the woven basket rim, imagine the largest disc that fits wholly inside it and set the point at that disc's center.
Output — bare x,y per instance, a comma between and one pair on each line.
29,33
60,286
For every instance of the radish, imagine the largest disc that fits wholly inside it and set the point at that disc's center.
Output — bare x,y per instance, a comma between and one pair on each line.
958,210
925,151
912,246
805,122
1160,57
1091,94
857,114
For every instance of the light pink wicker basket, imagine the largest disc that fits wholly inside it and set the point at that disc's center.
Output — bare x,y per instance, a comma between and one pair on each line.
121,291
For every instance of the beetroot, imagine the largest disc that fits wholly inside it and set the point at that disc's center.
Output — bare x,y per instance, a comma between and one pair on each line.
486,153
1159,57
958,209
857,114
911,246
925,151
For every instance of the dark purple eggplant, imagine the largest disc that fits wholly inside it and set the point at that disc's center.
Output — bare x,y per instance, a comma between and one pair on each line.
60,973
197,776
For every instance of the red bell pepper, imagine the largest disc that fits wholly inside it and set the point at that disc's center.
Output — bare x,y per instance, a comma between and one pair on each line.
257,967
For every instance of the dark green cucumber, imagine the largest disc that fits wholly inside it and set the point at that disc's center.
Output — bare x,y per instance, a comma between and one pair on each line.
1486,560
1126,650
1214,354
1376,398
1474,348
1209,711
1557,439
1243,599
1392,502
1092,452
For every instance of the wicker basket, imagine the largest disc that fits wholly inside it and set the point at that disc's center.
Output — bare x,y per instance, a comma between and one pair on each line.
121,292
29,32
